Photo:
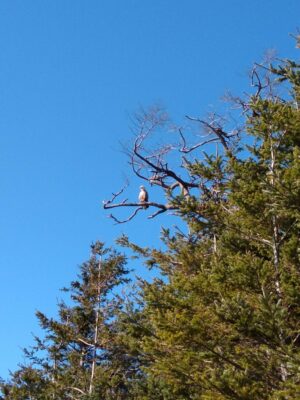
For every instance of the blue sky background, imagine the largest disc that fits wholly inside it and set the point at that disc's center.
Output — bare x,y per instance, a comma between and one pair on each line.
71,73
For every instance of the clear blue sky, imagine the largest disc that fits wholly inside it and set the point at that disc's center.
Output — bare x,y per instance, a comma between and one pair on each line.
71,72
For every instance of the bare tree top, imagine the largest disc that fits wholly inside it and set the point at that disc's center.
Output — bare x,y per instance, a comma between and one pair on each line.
153,164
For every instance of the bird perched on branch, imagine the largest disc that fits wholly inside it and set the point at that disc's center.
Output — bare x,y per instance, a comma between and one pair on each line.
143,196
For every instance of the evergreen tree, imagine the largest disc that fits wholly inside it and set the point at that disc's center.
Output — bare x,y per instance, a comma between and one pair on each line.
225,324
78,356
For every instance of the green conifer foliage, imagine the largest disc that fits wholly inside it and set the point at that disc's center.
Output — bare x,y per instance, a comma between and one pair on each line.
222,318
75,356
225,324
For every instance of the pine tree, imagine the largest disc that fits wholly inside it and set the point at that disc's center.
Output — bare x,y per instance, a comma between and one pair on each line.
79,357
225,323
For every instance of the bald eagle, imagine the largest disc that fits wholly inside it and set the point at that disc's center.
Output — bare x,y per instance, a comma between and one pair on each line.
143,196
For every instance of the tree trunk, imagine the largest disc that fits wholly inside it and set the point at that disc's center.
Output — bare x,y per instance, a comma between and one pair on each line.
96,331
276,256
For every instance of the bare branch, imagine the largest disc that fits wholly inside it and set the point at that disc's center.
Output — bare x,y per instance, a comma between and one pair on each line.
118,221
142,205
139,206
114,196
216,128
283,237
77,390
161,211
161,168
155,165
296,338
84,342
188,149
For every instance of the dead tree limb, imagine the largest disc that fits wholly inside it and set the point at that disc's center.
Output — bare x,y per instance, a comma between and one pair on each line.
155,165
217,129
